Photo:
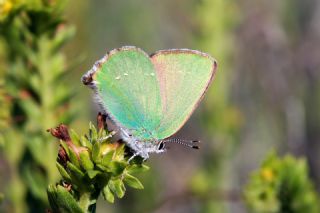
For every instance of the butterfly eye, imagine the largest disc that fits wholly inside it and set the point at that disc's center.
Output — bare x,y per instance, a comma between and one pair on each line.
161,145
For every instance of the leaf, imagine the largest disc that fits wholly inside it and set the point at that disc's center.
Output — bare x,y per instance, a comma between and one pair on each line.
78,178
106,160
133,182
85,160
120,150
96,152
132,169
62,201
101,133
117,167
93,173
74,137
117,187
75,171
102,167
64,146
73,158
63,172
85,142
107,194
93,132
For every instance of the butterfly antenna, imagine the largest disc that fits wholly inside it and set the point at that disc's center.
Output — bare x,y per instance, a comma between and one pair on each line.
188,143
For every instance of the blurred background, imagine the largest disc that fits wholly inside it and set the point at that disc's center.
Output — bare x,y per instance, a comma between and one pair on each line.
265,97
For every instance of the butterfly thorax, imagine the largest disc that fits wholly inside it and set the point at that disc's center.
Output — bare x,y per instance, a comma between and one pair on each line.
141,145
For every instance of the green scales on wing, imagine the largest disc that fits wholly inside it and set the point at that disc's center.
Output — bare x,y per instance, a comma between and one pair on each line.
152,96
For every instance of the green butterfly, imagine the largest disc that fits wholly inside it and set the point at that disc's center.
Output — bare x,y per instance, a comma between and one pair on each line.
150,97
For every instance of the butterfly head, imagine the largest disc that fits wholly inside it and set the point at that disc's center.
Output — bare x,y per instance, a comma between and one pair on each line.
143,147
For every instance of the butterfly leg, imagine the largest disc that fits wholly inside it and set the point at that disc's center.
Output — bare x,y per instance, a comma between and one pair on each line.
145,156
133,156
108,136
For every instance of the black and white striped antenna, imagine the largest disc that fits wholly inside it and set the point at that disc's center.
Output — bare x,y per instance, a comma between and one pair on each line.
188,143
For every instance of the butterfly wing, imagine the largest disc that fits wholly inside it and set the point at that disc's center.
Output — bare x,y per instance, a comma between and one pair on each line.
126,86
184,76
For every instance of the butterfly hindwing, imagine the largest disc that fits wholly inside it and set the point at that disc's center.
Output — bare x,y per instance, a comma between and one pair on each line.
183,76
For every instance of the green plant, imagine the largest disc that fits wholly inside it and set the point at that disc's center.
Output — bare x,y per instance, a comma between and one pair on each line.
222,119
91,165
281,185
32,34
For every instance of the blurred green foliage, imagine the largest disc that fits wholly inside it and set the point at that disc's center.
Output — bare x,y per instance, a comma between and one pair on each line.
91,165
222,120
282,185
32,34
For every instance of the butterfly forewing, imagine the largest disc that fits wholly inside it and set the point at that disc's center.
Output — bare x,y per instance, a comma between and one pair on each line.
127,86
183,76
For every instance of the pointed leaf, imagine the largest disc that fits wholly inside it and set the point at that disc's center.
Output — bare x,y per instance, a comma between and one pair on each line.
75,171
62,201
73,158
117,167
137,168
93,132
120,151
96,152
106,160
85,142
93,173
117,187
102,167
85,160
64,146
63,172
133,182
107,194
74,137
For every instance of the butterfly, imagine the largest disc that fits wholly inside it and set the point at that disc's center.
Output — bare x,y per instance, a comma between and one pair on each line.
149,98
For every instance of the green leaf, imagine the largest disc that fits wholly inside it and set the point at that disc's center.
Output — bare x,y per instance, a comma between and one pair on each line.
102,167
74,137
106,160
73,158
64,146
117,187
107,194
120,150
133,169
133,182
117,167
101,133
78,178
75,171
93,173
62,201
85,142
63,172
96,152
85,160
93,132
